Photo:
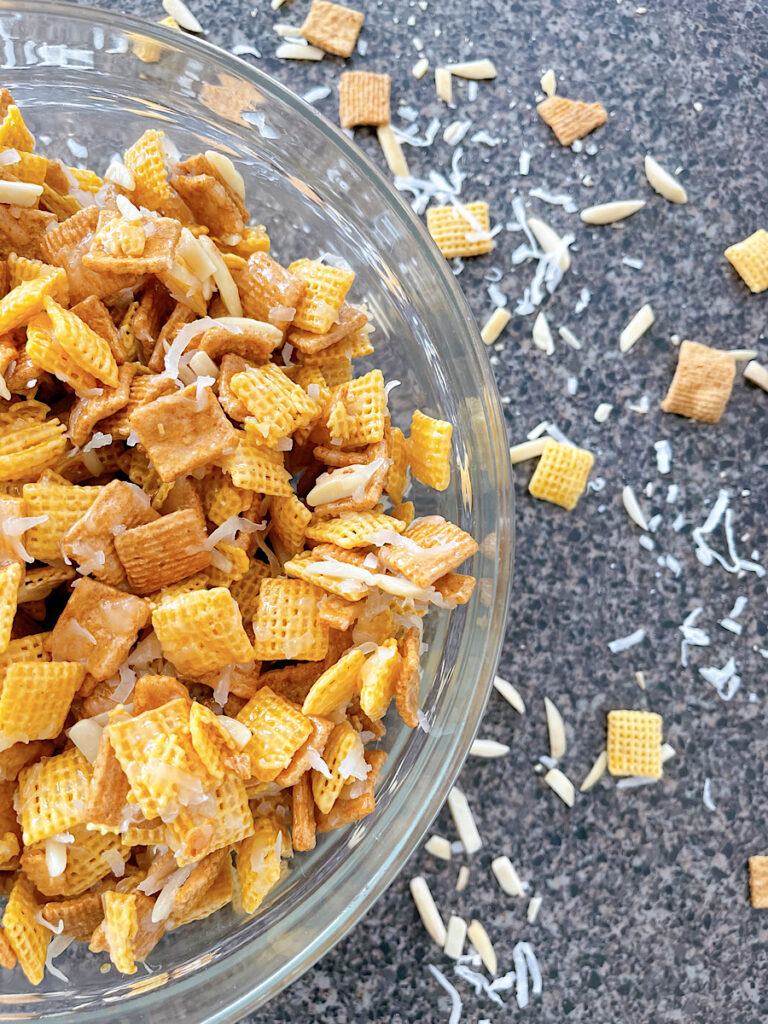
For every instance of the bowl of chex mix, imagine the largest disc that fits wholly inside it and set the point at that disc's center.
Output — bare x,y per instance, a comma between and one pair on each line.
255,526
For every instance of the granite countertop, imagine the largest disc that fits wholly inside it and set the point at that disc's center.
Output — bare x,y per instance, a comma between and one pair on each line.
645,913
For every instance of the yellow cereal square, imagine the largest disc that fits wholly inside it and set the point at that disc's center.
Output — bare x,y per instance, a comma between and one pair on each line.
88,349
27,937
571,119
561,474
363,99
285,624
14,133
10,579
146,162
121,924
634,743
377,678
27,448
363,402
353,530
341,747
436,547
461,230
429,451
337,685
702,383
332,27
202,631
397,475
35,699
326,288
62,506
221,820
277,406
758,882
258,863
246,590
255,467
750,260
27,299
290,518
53,794
86,863
278,729
308,565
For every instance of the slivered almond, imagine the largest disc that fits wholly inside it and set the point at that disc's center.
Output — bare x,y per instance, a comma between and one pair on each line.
667,751
542,336
757,374
488,748
506,876
550,242
438,846
632,506
294,51
475,69
392,150
636,327
740,354
428,912
527,450
556,729
510,694
548,83
455,935
420,68
462,879
602,412
559,783
464,821
495,324
596,772
534,905
480,939
609,213
227,170
663,182
181,14
19,193
443,85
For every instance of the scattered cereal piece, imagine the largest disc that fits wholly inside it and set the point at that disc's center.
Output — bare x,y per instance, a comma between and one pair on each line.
634,743
749,259
332,27
758,882
571,119
363,99
702,383
462,230
561,474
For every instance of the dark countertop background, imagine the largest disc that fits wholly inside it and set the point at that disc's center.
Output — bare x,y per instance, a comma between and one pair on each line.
645,914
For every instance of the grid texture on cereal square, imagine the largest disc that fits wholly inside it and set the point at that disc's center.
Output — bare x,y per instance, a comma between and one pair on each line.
121,926
255,467
146,162
307,565
749,259
276,405
364,403
325,289
26,448
35,699
246,590
316,347
758,881
165,551
39,583
53,793
224,820
634,743
26,936
377,679
462,230
349,808
363,99
10,578
14,133
258,863
429,451
332,27
436,547
561,474
353,530
702,383
571,119
278,729
63,506
285,624
202,631
341,743
26,300
88,349
336,686
86,863
290,518
45,352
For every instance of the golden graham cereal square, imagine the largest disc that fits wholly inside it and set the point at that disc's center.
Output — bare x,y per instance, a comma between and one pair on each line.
165,551
750,260
702,383
634,743
363,99
561,474
571,119
332,27
270,293
461,230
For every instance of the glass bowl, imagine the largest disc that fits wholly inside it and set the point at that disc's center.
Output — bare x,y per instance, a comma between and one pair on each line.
85,93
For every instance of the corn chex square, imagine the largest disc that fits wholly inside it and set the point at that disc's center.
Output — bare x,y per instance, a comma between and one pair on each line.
202,631
561,474
35,699
223,820
461,230
353,529
702,383
278,728
276,406
749,259
436,547
363,99
258,863
26,936
325,289
429,450
332,27
634,743
285,624
85,865
53,794
255,467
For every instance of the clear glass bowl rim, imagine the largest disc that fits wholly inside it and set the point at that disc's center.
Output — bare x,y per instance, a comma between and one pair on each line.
432,794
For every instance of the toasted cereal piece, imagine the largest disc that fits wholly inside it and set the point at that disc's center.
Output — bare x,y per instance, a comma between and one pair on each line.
119,504
152,692
182,432
255,467
571,119
216,896
269,292
758,882
22,231
198,831
462,230
337,613
78,916
405,512
27,299
363,99
246,590
336,371
258,863
378,677
455,588
53,794
365,403
202,631
278,407
146,162
443,547
87,412
337,685
215,747
326,288
121,925
38,584
353,531
634,743
144,388
332,27
45,352
749,259
251,339
561,474
409,677
230,403
164,551
26,936
343,746
200,880
349,808
62,506
702,383
285,624
290,518
89,350
108,793
156,753
278,730
397,475
314,744
429,450
351,321
120,246
98,627
95,315
353,345
303,814
86,863
17,756
26,448
21,269
14,133
10,579
35,699
210,194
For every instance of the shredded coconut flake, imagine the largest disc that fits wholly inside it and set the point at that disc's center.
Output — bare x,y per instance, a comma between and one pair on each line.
625,642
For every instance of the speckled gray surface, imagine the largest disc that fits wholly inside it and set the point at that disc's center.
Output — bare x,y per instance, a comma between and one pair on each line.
645,914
